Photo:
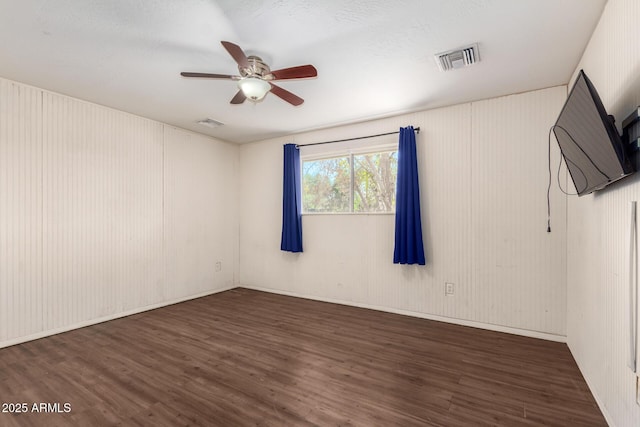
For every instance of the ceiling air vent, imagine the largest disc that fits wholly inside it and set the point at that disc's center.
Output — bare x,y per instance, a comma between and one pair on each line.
210,123
458,58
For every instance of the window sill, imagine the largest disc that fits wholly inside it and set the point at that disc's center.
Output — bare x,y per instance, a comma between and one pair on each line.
345,213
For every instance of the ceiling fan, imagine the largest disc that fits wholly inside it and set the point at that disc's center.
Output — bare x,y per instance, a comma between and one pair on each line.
255,77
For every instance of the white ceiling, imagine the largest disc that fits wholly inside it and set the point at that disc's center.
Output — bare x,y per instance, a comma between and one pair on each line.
374,57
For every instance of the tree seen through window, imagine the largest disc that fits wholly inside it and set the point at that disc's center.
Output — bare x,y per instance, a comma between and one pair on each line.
328,185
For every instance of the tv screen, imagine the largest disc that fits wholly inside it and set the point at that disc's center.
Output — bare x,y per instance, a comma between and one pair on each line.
589,140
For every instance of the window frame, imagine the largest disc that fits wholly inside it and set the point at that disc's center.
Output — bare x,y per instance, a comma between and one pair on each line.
349,154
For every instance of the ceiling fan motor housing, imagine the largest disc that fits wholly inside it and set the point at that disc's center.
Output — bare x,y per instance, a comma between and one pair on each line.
257,68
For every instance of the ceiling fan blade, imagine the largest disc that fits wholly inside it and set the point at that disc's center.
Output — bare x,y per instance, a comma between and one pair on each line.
237,53
299,72
239,98
210,76
286,95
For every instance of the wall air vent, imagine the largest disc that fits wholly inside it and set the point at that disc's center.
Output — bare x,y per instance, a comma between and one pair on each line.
458,58
210,123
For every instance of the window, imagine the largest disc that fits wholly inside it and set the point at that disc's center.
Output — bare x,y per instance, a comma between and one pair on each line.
350,183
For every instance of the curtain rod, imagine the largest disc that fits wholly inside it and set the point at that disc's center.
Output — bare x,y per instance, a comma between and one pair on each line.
417,130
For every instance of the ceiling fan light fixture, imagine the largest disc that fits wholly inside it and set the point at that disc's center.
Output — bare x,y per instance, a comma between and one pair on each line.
254,88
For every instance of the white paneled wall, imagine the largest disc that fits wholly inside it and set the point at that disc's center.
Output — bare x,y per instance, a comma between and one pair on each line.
103,213
483,177
102,208
598,228
21,182
200,213
519,270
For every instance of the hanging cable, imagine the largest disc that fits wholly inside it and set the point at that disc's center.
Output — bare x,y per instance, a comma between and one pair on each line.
549,186
576,168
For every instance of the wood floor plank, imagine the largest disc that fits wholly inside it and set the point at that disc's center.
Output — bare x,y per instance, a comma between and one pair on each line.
244,357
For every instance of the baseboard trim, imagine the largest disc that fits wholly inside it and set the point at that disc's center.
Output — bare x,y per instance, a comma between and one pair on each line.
480,325
463,322
592,389
50,332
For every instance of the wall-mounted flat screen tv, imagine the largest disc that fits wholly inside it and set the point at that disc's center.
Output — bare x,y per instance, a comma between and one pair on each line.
589,140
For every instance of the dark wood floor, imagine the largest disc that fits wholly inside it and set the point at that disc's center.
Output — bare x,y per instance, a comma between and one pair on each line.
243,358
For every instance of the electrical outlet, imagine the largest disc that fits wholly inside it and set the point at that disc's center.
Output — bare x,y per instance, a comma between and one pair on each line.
218,266
449,289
